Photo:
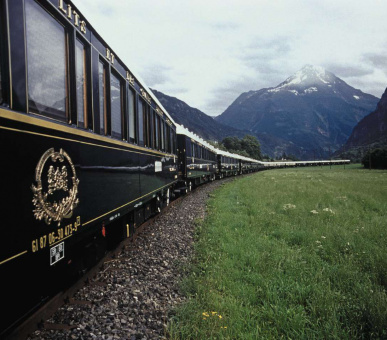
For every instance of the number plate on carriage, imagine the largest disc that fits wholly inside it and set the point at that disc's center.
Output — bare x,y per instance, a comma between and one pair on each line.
56,253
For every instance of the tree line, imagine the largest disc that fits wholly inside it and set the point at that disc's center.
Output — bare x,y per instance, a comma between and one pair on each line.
375,159
248,146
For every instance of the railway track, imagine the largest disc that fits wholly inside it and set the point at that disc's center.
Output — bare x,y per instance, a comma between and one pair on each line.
37,322
130,291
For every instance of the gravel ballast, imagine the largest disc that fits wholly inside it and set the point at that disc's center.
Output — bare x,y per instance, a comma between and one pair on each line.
131,295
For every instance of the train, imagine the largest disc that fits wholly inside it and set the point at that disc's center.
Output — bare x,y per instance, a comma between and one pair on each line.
89,152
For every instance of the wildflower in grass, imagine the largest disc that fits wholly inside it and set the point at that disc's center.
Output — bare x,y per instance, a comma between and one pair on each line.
323,237
289,206
314,212
209,314
329,210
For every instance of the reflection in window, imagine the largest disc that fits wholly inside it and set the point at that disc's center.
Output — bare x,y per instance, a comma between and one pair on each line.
146,124
46,60
1,59
162,134
80,55
167,139
153,128
1,87
132,116
116,107
157,129
102,97
140,123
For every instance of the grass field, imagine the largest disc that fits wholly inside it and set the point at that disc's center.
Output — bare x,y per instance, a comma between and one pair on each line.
293,254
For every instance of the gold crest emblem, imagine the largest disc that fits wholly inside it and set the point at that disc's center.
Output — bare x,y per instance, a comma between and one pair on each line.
54,197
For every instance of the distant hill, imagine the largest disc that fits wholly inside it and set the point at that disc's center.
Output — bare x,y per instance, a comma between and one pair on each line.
369,133
310,114
196,120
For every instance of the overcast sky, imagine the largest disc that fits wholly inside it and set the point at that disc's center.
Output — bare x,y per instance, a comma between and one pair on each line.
207,52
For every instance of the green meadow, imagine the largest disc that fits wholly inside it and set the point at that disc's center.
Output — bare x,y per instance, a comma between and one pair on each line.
290,254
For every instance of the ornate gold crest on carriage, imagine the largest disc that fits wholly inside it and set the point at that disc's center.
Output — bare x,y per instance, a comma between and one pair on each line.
56,189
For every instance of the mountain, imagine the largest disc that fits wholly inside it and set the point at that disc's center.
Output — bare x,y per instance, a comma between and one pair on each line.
369,133
312,113
195,120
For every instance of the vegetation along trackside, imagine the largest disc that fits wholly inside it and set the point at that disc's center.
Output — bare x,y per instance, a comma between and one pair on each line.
290,253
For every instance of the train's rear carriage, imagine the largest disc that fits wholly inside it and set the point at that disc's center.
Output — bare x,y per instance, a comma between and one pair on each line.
89,151
197,159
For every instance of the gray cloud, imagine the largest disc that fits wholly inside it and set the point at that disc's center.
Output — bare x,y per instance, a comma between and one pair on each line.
260,55
156,75
279,45
376,60
224,96
348,71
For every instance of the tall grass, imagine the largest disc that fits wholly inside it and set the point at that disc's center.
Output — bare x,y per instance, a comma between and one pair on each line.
290,253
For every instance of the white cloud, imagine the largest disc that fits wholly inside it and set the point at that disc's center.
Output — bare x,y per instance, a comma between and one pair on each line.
195,49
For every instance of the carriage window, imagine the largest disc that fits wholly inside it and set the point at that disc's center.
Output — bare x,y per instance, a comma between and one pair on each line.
132,116
102,98
146,130
80,55
1,60
172,142
148,126
162,134
1,87
157,132
141,122
116,106
154,138
166,133
47,62
169,138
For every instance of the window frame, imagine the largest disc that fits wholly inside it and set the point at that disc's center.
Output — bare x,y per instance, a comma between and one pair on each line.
116,75
140,124
68,30
86,58
103,130
4,75
157,131
133,140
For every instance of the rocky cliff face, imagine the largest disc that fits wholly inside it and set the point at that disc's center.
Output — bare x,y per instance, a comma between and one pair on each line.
372,128
369,133
310,114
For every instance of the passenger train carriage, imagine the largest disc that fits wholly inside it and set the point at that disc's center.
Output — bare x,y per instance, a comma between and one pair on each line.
89,152
198,159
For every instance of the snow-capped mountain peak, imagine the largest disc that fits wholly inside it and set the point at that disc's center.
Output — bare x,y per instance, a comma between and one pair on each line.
306,77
